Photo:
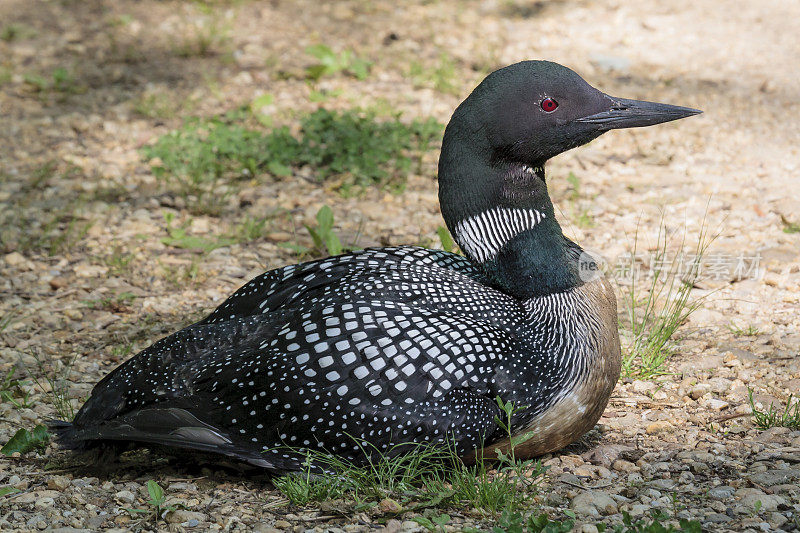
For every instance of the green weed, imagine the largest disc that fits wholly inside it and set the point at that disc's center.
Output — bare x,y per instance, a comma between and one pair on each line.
789,226
15,32
158,509
53,379
653,525
417,477
749,331
331,63
60,80
654,318
434,523
441,77
325,241
12,390
25,441
202,158
119,262
117,304
205,35
446,240
7,320
156,105
178,237
6,75
575,186
774,417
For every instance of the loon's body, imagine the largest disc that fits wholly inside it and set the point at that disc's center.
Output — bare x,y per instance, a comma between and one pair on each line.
402,345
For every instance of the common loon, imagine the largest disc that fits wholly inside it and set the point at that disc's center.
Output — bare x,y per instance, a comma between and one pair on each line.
406,345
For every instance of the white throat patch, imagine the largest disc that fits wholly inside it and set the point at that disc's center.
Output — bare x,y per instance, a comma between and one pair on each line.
483,235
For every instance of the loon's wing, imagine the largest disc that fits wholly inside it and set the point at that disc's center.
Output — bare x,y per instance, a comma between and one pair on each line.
282,287
385,351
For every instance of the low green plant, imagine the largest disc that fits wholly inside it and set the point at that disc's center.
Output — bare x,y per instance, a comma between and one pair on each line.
773,416
330,62
56,375
206,34
8,490
6,320
789,226
203,158
178,237
325,240
575,184
652,525
360,150
16,31
305,487
441,77
654,318
515,522
434,522
117,303
6,75
158,509
59,232
156,105
446,240
25,441
119,261
250,229
418,476
12,390
748,331
60,80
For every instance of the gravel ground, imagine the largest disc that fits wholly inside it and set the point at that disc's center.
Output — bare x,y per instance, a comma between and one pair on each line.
83,217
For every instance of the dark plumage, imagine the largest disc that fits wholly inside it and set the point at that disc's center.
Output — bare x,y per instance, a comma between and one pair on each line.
406,344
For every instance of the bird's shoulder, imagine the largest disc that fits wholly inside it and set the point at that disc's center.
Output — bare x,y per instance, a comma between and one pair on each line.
289,285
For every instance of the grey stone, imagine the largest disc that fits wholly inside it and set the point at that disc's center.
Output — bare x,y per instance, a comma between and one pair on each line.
749,498
723,492
775,477
593,503
718,518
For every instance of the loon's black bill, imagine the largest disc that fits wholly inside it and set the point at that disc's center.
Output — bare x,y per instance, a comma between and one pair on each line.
625,113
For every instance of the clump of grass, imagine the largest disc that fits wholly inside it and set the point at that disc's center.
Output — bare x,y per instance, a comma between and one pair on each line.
330,62
24,441
157,503
789,226
654,317
773,416
14,31
325,240
178,237
441,76
748,331
205,156
13,390
53,379
60,80
118,303
446,240
419,476
205,35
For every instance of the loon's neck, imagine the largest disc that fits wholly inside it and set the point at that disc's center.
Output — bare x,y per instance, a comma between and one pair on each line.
506,223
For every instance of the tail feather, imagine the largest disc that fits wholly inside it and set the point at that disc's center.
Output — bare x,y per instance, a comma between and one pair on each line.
65,434
163,426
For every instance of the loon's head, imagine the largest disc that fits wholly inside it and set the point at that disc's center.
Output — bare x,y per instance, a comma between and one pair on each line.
528,112
500,137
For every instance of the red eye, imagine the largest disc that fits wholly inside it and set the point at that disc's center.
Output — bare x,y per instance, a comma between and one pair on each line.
549,105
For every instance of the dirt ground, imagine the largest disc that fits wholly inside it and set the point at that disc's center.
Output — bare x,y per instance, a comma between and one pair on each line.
85,275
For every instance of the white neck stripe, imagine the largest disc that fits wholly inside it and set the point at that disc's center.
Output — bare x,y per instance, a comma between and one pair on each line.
484,234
